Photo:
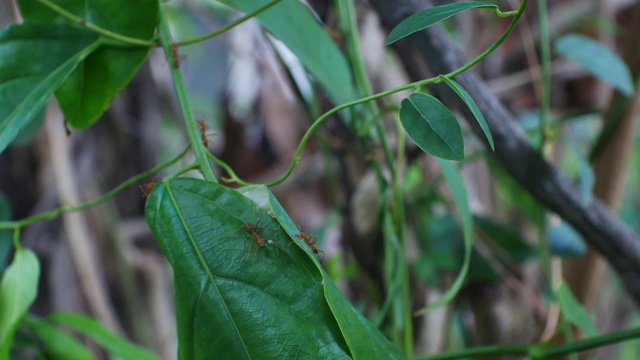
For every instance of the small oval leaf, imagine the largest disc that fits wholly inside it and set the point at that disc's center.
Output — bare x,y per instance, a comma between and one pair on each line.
598,60
431,16
432,126
464,95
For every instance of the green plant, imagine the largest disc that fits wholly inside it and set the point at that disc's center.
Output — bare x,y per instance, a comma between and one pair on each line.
248,281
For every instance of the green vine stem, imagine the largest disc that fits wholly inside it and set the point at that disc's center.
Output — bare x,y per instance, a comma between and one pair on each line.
545,63
538,351
170,50
102,31
50,215
231,25
414,85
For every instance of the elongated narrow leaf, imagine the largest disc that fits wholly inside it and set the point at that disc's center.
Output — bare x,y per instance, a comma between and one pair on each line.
573,312
464,95
598,60
432,126
460,197
293,24
18,290
114,344
34,61
431,16
363,339
89,90
57,344
243,288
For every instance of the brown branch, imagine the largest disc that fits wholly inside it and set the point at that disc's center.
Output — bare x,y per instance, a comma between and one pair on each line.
599,227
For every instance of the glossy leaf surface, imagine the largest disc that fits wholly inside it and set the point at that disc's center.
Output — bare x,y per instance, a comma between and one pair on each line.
432,126
89,90
18,290
233,296
114,344
293,24
34,61
423,19
598,60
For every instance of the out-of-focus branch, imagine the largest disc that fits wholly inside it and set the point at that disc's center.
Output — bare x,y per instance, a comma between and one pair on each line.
599,227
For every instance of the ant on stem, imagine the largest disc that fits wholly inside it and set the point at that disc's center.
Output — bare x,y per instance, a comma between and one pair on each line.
203,132
147,188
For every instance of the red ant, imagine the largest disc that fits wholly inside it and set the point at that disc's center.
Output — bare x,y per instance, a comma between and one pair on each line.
176,55
203,132
147,188
254,231
311,242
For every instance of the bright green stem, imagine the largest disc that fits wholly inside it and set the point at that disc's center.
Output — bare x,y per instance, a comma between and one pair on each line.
539,351
50,215
102,31
545,63
195,139
230,26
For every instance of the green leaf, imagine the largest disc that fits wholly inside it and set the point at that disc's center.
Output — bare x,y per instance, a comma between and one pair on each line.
460,197
233,296
598,60
18,290
34,61
363,339
292,23
432,126
90,89
431,16
573,312
464,95
57,344
112,343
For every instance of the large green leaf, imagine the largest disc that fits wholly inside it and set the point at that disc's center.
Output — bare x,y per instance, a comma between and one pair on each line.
114,344
90,89
18,290
598,60
432,126
293,24
423,19
233,296
34,61
363,339
461,198
464,95
57,344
